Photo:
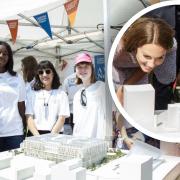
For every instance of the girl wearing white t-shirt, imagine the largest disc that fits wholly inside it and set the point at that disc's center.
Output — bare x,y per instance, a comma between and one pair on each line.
47,105
89,101
12,106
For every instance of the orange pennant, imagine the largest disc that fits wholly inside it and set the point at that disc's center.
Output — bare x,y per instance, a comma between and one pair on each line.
13,27
71,9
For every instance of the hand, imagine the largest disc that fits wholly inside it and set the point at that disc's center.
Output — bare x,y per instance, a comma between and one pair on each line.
129,142
119,94
54,132
154,1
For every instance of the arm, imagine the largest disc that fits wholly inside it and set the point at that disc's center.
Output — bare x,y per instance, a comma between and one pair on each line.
58,125
133,79
153,1
31,125
119,94
120,124
21,108
128,141
21,101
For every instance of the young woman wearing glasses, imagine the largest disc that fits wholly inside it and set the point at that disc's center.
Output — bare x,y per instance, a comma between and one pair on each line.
89,101
47,105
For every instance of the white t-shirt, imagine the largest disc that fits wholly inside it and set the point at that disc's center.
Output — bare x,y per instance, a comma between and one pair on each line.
28,86
46,107
12,91
90,119
70,87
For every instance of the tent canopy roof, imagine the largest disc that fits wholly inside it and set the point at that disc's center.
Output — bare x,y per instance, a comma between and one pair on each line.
86,34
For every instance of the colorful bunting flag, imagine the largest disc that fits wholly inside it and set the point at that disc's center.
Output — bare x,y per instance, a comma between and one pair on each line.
43,21
13,27
71,9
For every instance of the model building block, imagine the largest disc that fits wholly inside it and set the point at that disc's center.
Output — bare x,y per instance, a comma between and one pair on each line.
139,103
70,169
173,119
5,158
22,172
170,118
136,167
42,175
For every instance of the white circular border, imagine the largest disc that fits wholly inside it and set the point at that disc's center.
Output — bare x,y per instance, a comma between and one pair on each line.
109,70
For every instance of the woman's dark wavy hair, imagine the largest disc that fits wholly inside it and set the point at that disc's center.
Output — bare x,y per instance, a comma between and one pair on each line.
10,63
38,85
29,64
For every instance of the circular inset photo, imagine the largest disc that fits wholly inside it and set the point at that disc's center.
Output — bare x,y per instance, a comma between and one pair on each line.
144,77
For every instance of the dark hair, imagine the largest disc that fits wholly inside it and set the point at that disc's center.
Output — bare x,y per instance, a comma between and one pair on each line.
29,68
93,75
146,31
10,63
38,85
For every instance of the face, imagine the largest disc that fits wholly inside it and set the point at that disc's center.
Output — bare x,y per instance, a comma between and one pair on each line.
150,56
84,71
3,57
46,77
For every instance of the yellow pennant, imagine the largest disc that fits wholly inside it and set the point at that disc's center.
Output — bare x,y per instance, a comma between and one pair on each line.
71,9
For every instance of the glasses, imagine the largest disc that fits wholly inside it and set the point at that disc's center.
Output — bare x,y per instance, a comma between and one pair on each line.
83,99
47,71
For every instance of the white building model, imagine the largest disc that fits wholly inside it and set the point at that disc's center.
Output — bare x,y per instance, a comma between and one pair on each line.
139,103
15,166
65,147
170,118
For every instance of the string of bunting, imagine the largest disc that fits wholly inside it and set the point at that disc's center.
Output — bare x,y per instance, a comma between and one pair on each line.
43,20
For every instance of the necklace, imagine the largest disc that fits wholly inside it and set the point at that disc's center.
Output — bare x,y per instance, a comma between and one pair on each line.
46,100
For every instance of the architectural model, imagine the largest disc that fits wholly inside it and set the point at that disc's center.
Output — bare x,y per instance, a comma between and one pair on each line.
60,148
139,103
170,117
18,166
21,167
126,168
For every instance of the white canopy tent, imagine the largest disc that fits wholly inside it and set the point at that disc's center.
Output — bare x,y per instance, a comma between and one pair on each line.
86,35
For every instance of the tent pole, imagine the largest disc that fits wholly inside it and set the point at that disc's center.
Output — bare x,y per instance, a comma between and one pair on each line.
107,45
89,39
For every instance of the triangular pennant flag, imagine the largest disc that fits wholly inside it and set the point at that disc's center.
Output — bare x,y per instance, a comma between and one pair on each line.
71,9
13,27
43,21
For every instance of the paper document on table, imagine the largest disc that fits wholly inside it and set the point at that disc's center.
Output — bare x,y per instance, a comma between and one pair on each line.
142,148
